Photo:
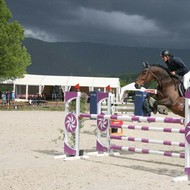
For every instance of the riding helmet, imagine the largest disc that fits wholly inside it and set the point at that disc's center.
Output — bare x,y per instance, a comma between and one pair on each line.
165,53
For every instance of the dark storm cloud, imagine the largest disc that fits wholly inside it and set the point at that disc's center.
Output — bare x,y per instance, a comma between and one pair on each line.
163,23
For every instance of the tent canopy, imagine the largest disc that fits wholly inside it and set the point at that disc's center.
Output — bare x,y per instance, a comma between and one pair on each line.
130,87
67,81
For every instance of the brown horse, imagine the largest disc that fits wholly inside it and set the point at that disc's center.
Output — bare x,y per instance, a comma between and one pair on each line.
167,87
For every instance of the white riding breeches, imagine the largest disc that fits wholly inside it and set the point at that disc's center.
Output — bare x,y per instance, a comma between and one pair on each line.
186,80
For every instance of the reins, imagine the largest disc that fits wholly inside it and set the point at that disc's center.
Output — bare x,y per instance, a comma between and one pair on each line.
161,79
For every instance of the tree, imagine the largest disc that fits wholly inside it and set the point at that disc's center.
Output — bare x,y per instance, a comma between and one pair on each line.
14,57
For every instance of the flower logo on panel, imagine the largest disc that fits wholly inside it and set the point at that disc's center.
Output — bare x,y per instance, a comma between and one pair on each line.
102,124
70,122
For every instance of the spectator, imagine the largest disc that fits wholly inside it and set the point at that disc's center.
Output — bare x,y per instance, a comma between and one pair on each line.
34,100
3,96
13,97
43,99
8,95
39,98
160,109
152,101
146,106
112,100
30,101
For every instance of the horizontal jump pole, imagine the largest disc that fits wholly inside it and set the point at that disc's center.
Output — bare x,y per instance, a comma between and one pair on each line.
120,107
134,118
145,140
147,151
147,128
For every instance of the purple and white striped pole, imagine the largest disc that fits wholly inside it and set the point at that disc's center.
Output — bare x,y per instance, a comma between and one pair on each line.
148,128
134,118
145,140
148,151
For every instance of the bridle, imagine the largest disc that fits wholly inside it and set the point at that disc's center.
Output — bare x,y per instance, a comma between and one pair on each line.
149,71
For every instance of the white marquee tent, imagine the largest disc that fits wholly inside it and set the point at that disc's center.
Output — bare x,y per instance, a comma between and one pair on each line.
66,82
131,87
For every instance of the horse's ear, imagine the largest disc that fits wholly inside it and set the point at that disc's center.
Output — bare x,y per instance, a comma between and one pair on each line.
145,64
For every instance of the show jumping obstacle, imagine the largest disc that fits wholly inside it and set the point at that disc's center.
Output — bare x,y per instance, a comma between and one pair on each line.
104,125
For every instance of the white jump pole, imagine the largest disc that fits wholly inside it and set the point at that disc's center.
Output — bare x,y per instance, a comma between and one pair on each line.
186,83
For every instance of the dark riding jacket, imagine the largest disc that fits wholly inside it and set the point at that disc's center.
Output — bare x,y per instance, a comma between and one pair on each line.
177,65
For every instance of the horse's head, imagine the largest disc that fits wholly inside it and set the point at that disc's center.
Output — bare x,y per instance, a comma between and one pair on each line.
145,76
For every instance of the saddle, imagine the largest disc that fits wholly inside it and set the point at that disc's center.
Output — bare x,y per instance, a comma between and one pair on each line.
181,88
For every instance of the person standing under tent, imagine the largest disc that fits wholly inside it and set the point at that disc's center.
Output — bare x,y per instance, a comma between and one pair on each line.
13,97
112,100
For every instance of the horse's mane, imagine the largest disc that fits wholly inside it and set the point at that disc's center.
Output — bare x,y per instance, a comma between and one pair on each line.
166,69
161,66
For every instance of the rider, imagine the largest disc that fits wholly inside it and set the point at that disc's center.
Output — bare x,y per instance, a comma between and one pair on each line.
176,66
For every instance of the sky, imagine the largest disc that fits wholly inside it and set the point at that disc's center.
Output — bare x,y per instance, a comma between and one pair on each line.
140,23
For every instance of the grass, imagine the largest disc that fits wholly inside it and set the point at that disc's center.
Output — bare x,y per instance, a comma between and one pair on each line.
24,106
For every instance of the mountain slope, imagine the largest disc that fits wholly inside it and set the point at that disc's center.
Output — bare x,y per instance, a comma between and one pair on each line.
90,59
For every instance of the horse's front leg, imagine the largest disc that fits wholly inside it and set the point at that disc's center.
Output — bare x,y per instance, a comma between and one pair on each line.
164,101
